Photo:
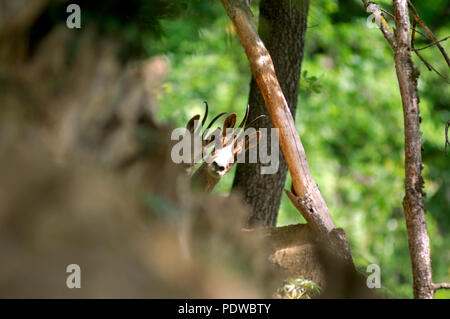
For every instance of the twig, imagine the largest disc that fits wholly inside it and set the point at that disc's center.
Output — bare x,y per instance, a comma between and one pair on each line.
413,35
431,44
428,65
313,26
388,13
446,136
393,17
442,285
423,34
430,33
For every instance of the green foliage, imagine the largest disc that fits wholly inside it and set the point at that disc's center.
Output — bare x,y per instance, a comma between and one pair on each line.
298,288
207,64
136,23
311,84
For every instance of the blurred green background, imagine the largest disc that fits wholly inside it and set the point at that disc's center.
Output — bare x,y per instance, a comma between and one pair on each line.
349,113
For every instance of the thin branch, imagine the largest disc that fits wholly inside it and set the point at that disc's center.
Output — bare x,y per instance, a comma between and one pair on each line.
430,33
428,65
393,17
413,35
431,44
423,34
442,285
390,37
446,136
388,13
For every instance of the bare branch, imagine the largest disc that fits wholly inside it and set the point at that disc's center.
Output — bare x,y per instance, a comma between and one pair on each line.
388,13
430,33
431,44
442,285
428,65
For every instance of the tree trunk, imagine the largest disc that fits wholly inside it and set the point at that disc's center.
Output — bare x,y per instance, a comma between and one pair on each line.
282,27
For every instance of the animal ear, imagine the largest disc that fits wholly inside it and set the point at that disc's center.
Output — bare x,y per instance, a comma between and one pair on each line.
252,140
190,126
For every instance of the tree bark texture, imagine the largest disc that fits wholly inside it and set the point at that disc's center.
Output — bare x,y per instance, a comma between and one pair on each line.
282,28
407,75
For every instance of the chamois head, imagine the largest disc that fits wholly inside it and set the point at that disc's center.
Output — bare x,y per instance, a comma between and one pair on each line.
195,131
225,143
229,145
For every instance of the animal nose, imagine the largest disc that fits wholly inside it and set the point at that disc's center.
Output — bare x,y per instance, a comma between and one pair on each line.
218,167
